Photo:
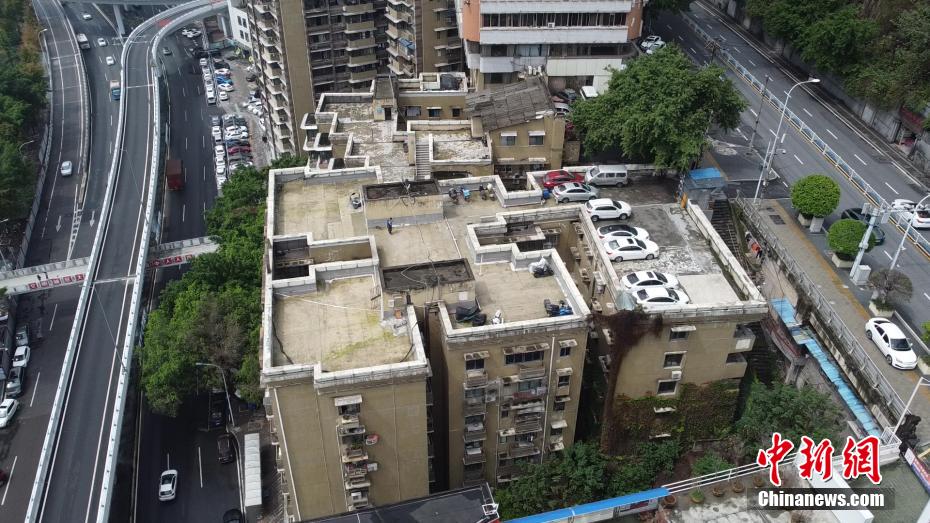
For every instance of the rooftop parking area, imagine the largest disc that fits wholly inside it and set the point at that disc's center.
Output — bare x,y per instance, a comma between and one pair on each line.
338,326
320,209
517,294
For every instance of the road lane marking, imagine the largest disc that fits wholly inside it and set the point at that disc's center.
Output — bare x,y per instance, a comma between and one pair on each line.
204,206
888,255
831,134
892,188
737,50
185,115
35,387
692,50
898,167
111,119
860,159
786,92
751,62
773,133
200,466
798,159
184,92
740,131
185,143
783,136
680,38
168,458
669,27
808,113
52,323
58,225
925,296
183,211
753,111
9,479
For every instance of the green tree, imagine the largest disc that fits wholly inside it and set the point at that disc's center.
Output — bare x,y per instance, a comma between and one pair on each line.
788,19
659,109
573,477
838,42
639,470
891,287
844,237
709,463
792,412
815,195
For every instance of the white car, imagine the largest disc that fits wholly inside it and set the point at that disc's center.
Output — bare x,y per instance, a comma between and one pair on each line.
607,209
919,216
660,296
203,62
223,96
101,42
650,42
8,408
655,47
889,339
219,149
21,356
86,16
110,60
168,485
622,249
225,87
223,71
66,168
648,279
207,77
621,230
221,170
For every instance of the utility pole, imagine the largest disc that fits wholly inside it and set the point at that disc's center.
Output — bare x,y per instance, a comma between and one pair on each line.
755,126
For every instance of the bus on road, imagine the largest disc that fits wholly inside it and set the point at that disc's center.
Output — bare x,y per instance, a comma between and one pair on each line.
82,40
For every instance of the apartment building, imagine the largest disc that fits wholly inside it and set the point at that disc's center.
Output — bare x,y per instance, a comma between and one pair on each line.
572,43
308,47
239,23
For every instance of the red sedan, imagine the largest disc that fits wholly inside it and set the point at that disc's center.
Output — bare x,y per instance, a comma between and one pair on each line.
559,177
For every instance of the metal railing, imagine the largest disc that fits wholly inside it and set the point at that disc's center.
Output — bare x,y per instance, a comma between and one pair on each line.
848,343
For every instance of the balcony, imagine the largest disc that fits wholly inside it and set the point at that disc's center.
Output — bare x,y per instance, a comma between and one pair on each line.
353,471
476,378
474,435
531,371
357,483
268,41
522,449
454,42
745,339
564,390
531,394
265,23
556,444
357,500
473,475
362,76
263,7
352,453
357,27
360,43
320,46
448,6
349,426
392,32
365,59
275,87
270,56
472,459
361,7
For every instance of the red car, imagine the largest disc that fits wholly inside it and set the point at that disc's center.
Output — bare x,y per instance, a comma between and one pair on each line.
559,177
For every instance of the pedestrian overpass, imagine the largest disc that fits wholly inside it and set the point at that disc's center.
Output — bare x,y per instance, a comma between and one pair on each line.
70,272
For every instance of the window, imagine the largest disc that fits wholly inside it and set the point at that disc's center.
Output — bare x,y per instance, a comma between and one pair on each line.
456,112
413,111
471,420
474,393
565,352
524,357
556,432
564,381
524,386
559,406
505,413
349,410
735,357
435,112
668,387
678,335
509,139
537,140
673,359
476,364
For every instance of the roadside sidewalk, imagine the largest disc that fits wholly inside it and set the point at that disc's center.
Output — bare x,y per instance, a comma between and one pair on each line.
835,289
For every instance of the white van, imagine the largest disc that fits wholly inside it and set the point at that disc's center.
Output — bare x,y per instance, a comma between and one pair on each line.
607,175
211,99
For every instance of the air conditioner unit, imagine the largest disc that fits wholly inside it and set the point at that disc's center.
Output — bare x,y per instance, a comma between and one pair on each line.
550,25
568,343
676,375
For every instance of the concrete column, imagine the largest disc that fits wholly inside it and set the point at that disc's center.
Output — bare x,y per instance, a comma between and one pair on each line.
119,20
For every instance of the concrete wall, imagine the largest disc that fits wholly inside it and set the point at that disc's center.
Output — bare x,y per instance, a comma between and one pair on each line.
239,23
296,55
424,100
553,143
307,421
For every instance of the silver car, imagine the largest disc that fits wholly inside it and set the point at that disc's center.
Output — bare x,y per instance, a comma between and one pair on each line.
14,382
574,192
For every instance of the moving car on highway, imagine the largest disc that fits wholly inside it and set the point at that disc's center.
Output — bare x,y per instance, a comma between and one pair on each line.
168,485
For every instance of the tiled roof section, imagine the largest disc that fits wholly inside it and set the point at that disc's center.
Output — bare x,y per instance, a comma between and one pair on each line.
511,104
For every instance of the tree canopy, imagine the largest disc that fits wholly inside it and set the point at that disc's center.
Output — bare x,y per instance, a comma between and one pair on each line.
22,97
213,313
792,412
815,195
659,109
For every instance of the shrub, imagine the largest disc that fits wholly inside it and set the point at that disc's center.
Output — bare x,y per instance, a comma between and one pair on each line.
844,237
926,334
815,195
708,464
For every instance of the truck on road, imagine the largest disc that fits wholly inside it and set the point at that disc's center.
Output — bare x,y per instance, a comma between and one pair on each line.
82,41
115,90
174,175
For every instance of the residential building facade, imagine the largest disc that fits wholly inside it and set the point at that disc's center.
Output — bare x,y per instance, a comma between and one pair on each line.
572,43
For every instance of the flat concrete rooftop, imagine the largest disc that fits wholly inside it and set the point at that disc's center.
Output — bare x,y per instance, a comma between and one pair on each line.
517,294
457,145
354,111
320,209
338,326
683,252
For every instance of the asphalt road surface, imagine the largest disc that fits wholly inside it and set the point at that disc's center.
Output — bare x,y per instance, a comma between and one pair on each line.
796,157
76,469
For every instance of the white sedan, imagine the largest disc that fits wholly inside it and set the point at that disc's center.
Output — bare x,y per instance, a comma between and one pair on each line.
650,42
621,249
8,408
168,485
66,168
223,96
620,230
21,356
110,60
648,279
101,42
889,339
607,209
660,296
86,16
919,216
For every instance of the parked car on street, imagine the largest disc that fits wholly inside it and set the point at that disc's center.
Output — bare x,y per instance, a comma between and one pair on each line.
21,356
226,448
8,408
15,382
919,216
891,341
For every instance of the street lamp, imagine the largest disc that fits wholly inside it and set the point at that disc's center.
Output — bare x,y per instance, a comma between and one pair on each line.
921,382
907,230
225,387
770,152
